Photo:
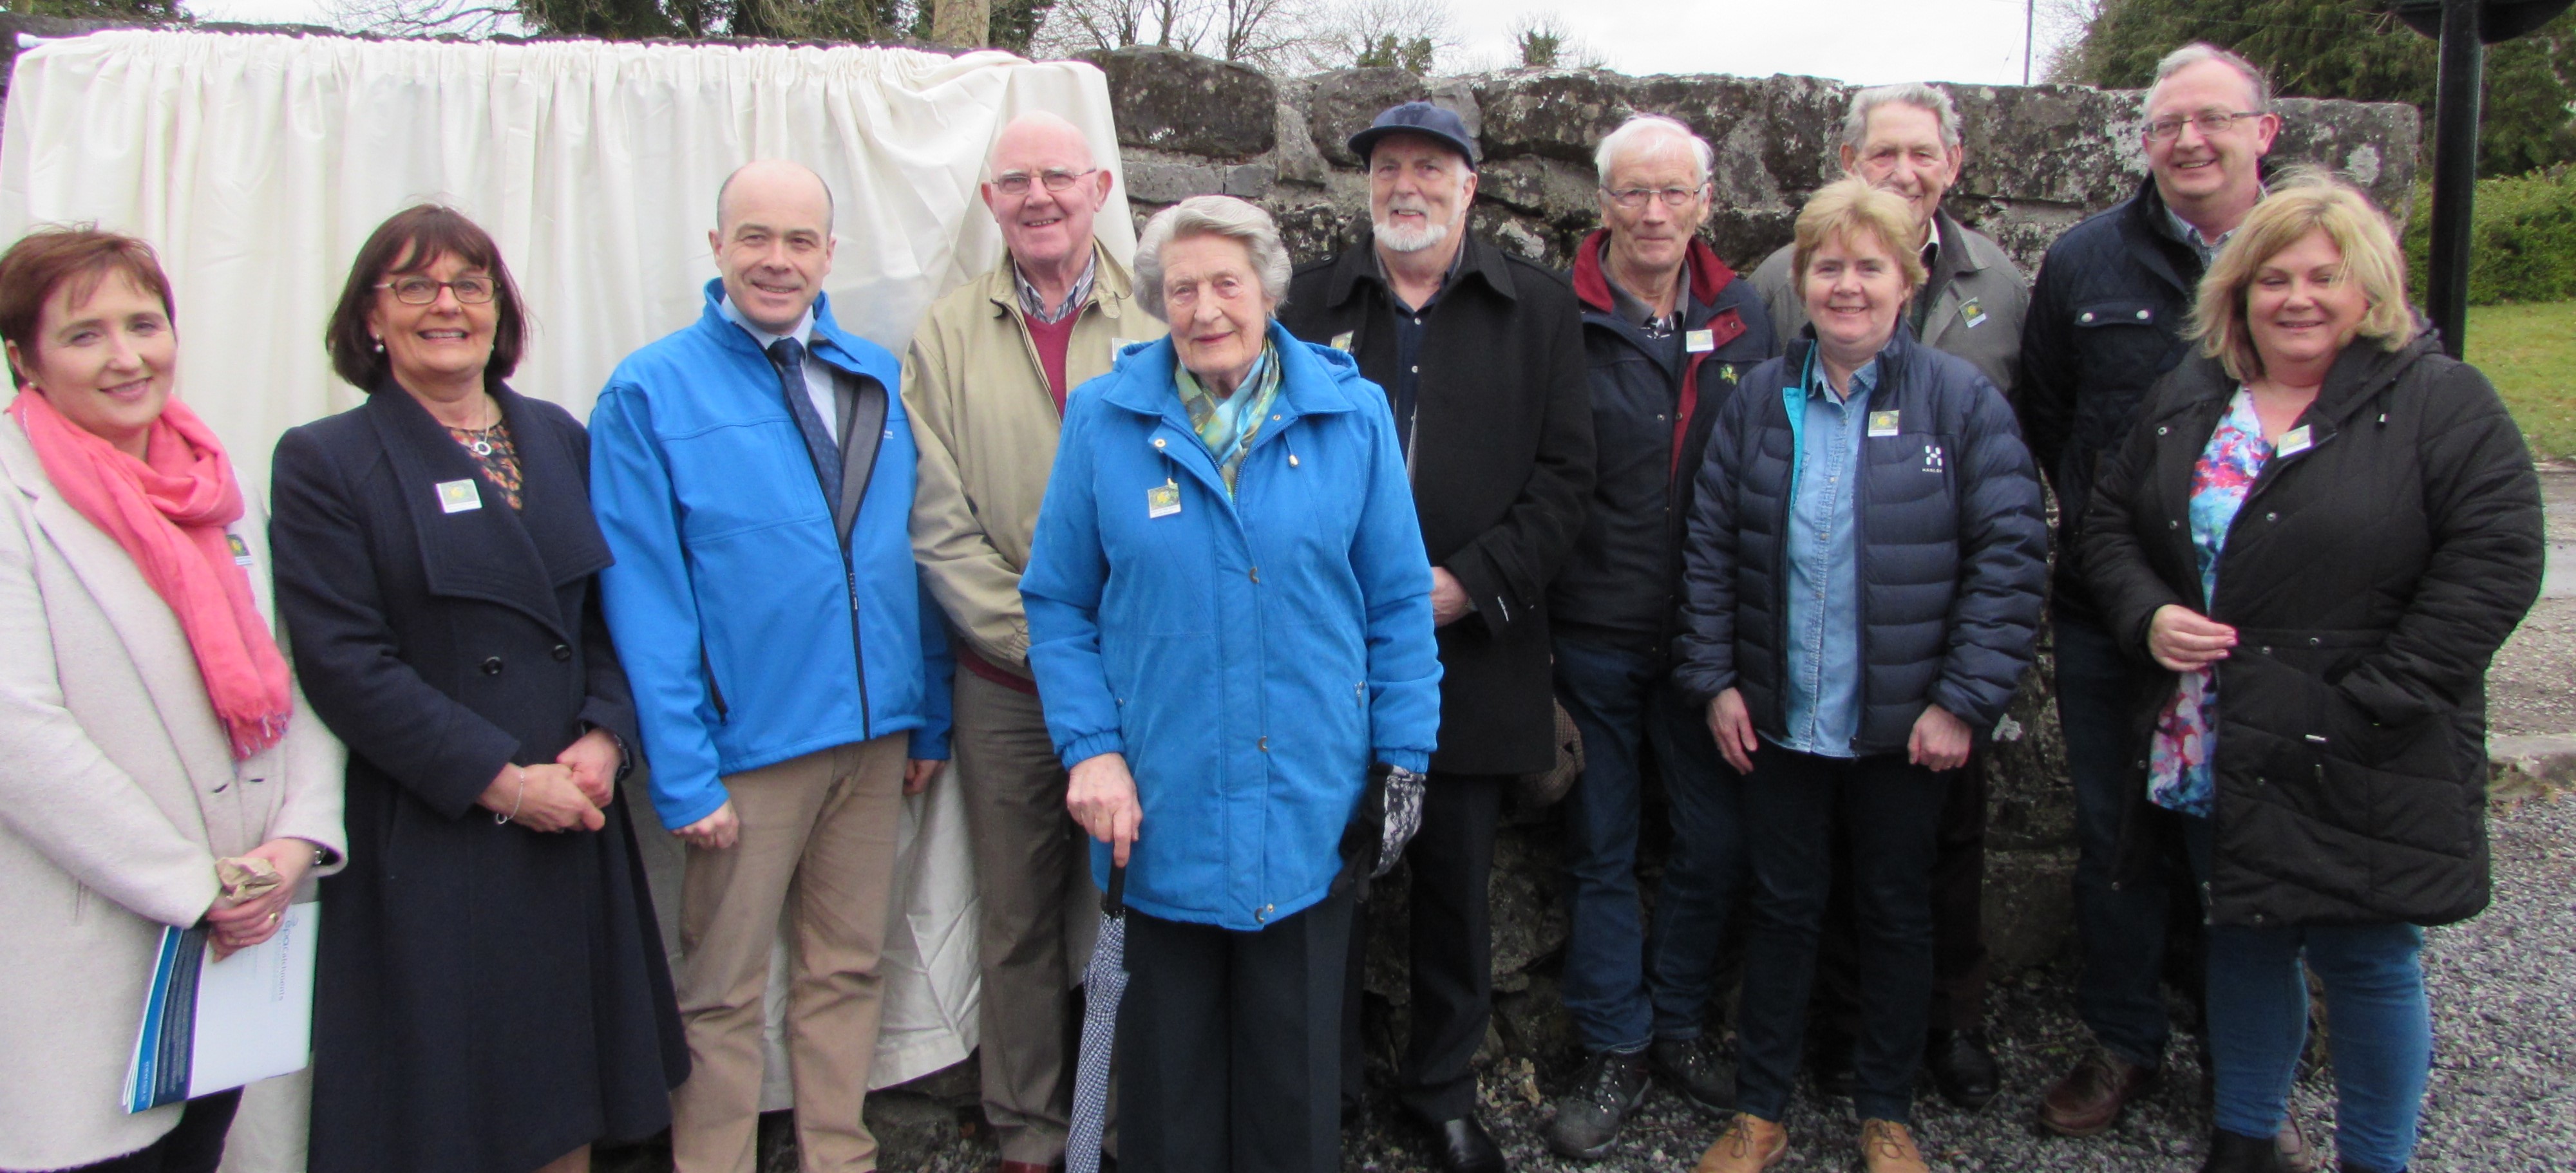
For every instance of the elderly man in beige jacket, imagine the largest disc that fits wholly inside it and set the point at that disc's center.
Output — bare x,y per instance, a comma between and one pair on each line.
985,384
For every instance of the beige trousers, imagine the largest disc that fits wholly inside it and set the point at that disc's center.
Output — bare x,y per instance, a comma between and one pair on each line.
818,840
1040,914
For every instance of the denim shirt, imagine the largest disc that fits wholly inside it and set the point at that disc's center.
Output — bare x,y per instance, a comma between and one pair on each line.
1822,702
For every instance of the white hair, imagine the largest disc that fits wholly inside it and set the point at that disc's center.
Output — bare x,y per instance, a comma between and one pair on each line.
2199,51
1633,134
1210,215
1913,93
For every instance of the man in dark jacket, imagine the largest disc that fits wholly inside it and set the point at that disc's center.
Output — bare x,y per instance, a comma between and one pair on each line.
2106,321
1482,358
1668,330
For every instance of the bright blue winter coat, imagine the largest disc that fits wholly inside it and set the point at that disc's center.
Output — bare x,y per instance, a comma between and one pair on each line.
1250,657
728,563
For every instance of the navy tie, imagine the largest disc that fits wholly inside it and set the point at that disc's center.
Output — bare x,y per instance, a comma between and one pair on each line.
788,355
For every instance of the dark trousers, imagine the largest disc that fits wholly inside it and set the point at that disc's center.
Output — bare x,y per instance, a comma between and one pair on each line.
1228,1053
1623,987
2119,921
1959,959
1449,865
195,1146
1890,810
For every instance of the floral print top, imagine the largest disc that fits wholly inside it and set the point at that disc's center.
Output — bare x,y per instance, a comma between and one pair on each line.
2179,776
495,454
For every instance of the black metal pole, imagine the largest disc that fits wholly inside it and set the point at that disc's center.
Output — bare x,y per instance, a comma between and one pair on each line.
2455,170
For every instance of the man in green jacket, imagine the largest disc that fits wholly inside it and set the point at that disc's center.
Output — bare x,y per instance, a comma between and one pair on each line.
985,383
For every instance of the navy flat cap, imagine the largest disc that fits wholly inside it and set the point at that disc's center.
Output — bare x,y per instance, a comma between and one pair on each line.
1420,118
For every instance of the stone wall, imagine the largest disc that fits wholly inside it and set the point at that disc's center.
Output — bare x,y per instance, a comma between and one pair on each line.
2039,159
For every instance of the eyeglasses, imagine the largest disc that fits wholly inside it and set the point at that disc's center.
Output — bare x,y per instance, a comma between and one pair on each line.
1633,198
2210,123
1059,180
422,290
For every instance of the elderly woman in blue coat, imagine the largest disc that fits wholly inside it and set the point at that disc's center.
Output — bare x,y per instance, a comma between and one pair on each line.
1230,622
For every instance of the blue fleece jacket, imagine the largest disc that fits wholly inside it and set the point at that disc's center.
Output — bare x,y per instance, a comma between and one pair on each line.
1250,656
750,633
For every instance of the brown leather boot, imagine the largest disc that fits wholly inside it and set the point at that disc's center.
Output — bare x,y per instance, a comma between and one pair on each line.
1888,1147
1749,1145
2088,1101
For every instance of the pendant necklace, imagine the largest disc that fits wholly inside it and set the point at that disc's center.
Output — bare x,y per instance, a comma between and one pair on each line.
482,444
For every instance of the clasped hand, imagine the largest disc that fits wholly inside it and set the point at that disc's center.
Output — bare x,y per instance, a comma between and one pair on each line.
238,925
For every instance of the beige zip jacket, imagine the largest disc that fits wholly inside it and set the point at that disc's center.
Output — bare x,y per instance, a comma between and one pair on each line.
986,428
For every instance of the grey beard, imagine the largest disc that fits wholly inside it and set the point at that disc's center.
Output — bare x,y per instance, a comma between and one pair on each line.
1409,241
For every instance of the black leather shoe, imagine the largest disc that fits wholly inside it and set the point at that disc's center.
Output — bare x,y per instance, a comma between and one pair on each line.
1694,1068
1829,1063
2230,1153
1962,1064
1462,1146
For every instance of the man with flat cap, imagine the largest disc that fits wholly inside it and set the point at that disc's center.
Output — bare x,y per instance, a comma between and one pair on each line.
1481,357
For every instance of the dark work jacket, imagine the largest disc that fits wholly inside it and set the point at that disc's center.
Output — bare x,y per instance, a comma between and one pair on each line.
2370,578
1652,403
1501,464
488,997
1953,549
2105,322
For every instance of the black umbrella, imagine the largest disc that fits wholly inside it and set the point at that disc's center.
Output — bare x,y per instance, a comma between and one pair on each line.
1104,983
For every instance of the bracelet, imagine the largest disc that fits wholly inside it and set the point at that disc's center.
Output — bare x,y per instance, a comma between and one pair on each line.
520,800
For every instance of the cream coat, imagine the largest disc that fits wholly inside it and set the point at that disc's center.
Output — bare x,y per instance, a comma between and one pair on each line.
986,428
118,792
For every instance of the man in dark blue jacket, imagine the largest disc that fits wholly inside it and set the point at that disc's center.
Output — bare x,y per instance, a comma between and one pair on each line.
2106,321
1668,330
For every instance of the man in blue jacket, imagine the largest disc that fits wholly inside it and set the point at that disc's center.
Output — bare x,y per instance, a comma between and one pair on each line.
753,474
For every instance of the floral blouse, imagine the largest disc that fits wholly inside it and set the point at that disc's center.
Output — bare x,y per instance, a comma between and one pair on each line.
495,454
2179,776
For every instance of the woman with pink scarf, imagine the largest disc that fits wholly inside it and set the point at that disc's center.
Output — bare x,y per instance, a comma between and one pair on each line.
149,726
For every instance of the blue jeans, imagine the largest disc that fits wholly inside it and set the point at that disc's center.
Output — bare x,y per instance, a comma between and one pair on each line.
2258,1025
1891,812
2119,924
1622,989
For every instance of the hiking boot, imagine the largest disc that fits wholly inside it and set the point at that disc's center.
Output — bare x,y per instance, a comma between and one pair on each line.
1606,1088
1888,1147
1749,1145
1694,1068
2089,1100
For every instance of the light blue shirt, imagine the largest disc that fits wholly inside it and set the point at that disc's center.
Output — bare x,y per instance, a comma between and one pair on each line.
1822,701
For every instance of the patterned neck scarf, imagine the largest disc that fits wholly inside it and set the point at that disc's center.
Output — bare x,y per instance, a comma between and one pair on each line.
1228,426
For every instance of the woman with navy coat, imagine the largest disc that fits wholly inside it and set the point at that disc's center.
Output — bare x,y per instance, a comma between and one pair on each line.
492,995
1230,622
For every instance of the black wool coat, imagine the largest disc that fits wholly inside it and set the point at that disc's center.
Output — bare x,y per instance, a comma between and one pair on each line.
1953,549
1502,463
489,997
2370,578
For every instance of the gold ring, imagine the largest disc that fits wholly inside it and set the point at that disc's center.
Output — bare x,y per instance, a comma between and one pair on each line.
272,917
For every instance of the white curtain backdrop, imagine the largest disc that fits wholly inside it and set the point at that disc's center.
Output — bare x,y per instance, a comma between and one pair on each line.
258,165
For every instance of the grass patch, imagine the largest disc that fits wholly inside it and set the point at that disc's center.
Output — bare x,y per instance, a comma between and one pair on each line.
2529,351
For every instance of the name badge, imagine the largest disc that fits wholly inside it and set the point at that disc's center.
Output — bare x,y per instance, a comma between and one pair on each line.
458,496
240,548
1342,341
1700,341
2294,442
1972,314
1163,500
1882,423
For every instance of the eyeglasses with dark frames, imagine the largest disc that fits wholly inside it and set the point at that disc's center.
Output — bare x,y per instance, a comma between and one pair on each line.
424,290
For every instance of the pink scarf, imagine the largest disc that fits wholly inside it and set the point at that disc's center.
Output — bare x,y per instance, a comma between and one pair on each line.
169,512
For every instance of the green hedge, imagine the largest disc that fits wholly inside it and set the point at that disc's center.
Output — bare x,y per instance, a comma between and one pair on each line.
2522,238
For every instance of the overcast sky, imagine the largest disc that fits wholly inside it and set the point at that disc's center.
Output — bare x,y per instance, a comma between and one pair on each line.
1851,40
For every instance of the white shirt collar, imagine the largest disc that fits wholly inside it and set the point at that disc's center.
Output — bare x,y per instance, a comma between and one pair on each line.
803,333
